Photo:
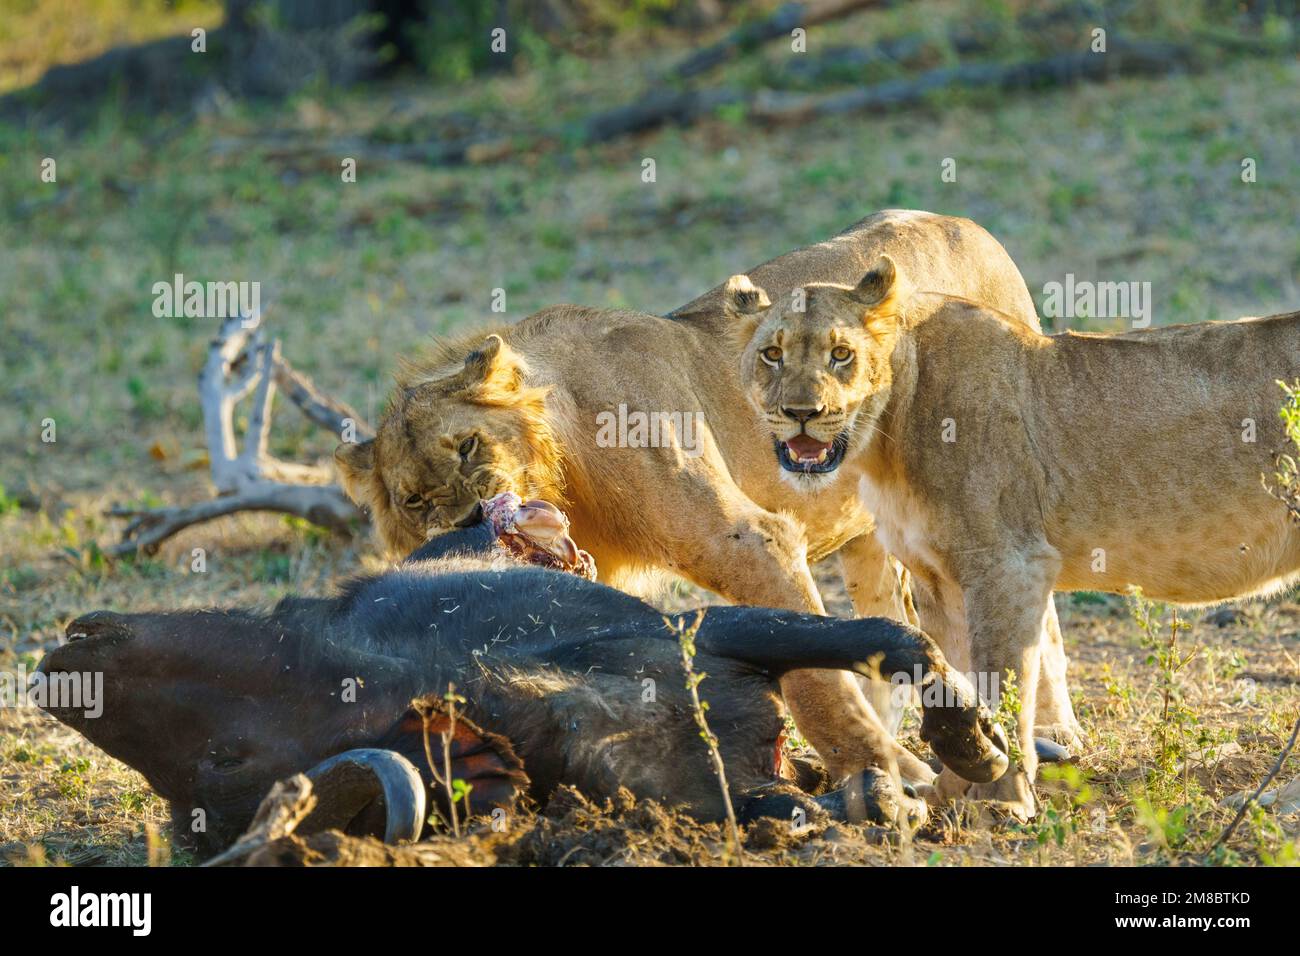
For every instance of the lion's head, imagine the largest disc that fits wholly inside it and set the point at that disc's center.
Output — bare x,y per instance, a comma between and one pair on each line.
447,442
817,367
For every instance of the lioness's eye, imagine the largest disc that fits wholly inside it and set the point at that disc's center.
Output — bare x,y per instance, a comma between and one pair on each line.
771,355
414,501
840,354
467,446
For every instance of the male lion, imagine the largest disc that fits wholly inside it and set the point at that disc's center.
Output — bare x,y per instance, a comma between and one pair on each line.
526,408
1002,464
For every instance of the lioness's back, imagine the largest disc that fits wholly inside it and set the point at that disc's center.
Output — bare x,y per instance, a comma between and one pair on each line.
945,254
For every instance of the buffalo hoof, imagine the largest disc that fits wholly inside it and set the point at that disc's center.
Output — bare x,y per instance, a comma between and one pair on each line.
962,732
1049,751
349,783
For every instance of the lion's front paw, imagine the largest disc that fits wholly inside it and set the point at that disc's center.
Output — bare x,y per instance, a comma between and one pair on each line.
873,796
537,532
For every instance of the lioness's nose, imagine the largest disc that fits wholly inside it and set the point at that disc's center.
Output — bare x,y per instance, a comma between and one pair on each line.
803,415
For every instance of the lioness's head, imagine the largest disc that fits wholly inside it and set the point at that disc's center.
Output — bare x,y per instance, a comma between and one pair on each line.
446,443
817,367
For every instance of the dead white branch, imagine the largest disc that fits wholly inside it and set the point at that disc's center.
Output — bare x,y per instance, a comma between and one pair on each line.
240,363
287,805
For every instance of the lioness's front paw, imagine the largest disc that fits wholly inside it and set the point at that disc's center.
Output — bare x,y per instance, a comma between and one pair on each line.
948,786
1011,796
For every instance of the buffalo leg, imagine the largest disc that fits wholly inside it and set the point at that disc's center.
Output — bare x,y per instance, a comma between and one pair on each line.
956,725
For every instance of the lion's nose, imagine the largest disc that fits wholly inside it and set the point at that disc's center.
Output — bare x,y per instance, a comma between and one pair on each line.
803,415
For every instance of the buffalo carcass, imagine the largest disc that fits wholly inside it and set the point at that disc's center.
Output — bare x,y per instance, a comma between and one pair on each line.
564,680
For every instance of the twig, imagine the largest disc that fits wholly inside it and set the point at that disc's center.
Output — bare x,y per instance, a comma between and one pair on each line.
444,779
323,505
1268,778
287,805
686,641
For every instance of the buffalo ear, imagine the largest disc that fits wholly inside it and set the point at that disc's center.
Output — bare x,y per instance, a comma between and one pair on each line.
494,368
742,297
356,463
487,759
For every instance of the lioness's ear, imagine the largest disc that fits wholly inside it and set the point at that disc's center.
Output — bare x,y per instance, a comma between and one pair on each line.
356,461
742,297
494,367
879,285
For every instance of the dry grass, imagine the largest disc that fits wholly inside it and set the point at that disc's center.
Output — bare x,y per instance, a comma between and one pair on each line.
1136,180
38,34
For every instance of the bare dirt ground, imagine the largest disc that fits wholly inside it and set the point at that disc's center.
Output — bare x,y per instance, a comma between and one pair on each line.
1135,180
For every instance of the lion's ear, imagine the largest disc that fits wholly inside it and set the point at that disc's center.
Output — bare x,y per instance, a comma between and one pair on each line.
494,368
742,297
879,285
356,462
880,292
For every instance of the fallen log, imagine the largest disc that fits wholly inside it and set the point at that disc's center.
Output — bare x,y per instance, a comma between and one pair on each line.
750,35
1124,58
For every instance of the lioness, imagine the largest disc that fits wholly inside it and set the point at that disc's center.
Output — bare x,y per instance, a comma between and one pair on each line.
1001,464
525,408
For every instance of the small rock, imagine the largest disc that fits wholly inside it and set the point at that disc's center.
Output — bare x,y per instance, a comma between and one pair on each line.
833,834
1225,616
1283,800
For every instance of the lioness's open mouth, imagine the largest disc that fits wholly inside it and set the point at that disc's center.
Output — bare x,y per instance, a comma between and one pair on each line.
805,455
